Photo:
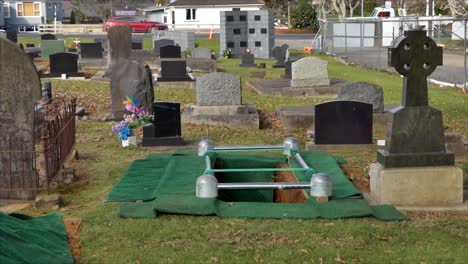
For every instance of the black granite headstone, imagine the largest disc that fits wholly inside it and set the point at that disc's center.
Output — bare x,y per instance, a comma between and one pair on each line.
415,131
91,50
63,63
30,45
343,122
48,37
73,50
170,51
137,45
247,60
157,44
166,129
174,71
288,69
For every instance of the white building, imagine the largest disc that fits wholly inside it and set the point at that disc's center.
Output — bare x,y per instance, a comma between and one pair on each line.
194,14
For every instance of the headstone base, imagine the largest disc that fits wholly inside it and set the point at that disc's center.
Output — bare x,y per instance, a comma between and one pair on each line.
246,65
283,87
162,141
340,147
416,186
178,84
390,160
181,79
59,75
242,116
310,83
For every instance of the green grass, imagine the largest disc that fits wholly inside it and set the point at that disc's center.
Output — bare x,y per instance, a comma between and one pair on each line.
106,238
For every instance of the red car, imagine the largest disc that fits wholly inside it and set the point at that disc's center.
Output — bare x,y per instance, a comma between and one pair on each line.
138,24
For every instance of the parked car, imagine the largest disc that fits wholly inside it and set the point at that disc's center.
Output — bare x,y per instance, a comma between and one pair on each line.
138,24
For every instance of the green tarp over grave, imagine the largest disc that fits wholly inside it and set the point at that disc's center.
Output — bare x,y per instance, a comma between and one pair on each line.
33,240
165,183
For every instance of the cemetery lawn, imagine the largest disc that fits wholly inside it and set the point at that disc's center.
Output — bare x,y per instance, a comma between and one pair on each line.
106,238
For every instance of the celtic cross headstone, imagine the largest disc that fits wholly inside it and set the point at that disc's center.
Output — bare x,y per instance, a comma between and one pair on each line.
415,133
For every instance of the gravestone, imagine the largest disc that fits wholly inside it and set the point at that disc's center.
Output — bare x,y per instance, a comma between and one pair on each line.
137,45
91,50
218,89
49,47
63,63
48,37
415,168
30,45
174,71
343,122
363,92
72,50
170,51
127,77
120,44
219,102
415,134
185,39
20,88
309,72
157,44
247,60
202,53
280,54
166,129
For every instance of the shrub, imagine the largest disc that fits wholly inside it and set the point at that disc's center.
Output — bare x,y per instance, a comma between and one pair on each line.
303,15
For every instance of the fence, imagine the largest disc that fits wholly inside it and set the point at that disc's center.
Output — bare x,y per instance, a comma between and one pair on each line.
365,42
24,170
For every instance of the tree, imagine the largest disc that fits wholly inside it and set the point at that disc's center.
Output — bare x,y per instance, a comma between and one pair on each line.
303,15
324,8
352,4
457,7
340,8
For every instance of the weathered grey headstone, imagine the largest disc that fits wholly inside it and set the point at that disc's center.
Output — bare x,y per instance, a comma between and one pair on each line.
20,87
120,43
280,54
130,78
309,72
247,60
202,65
157,44
415,133
363,92
202,53
217,89
127,78
49,47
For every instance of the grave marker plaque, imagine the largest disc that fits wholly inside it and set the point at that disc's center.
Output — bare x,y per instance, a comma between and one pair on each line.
415,131
343,122
20,87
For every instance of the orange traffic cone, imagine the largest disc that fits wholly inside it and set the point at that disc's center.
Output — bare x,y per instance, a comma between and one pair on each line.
211,34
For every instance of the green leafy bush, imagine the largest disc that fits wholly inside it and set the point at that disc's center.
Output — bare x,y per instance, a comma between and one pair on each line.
303,15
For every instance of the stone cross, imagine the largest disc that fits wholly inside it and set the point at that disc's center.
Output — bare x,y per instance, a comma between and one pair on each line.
415,56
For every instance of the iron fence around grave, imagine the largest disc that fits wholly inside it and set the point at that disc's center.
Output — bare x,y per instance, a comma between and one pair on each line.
33,159
58,135
365,41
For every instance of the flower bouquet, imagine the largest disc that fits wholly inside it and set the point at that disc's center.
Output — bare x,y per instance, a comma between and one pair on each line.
310,135
136,117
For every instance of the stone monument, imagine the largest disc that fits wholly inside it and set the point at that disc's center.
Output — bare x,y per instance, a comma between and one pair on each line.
280,54
166,129
127,77
219,102
20,88
309,72
415,167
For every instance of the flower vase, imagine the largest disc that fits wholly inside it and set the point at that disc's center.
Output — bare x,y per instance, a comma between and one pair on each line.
131,140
